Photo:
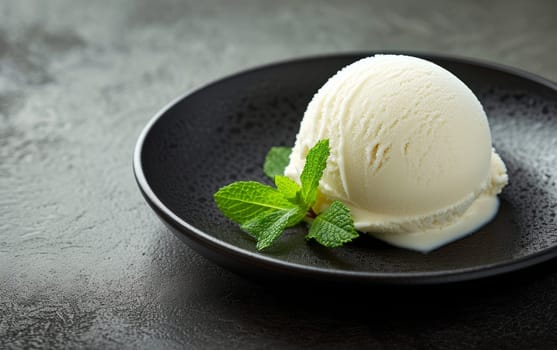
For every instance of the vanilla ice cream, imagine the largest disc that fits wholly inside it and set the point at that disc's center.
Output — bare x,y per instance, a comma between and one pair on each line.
411,152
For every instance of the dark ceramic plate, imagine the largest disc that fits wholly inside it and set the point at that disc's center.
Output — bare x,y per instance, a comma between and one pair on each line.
221,133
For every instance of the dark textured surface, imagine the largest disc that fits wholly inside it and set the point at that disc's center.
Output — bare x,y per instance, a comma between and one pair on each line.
221,133
85,263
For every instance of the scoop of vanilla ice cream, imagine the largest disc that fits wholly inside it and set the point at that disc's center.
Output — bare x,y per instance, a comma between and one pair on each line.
410,145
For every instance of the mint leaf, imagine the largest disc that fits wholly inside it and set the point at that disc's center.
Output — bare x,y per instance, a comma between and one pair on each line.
245,200
268,227
276,161
287,186
316,161
333,227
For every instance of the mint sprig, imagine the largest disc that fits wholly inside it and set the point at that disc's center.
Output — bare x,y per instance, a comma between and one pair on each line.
265,212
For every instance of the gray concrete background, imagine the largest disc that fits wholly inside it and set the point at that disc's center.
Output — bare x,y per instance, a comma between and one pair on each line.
83,260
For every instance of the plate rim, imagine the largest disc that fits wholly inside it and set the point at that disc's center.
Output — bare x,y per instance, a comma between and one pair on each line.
319,273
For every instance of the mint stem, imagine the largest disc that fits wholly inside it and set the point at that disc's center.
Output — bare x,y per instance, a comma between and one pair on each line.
310,216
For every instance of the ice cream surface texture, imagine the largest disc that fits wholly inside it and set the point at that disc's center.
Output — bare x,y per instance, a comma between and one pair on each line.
411,152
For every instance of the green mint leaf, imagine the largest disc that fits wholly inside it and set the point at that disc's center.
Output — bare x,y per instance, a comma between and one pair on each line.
245,200
268,227
287,186
333,227
316,161
276,161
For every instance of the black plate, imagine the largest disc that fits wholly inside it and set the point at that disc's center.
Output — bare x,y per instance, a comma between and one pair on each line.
221,133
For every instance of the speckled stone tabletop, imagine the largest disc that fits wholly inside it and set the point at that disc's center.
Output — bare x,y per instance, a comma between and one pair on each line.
84,263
